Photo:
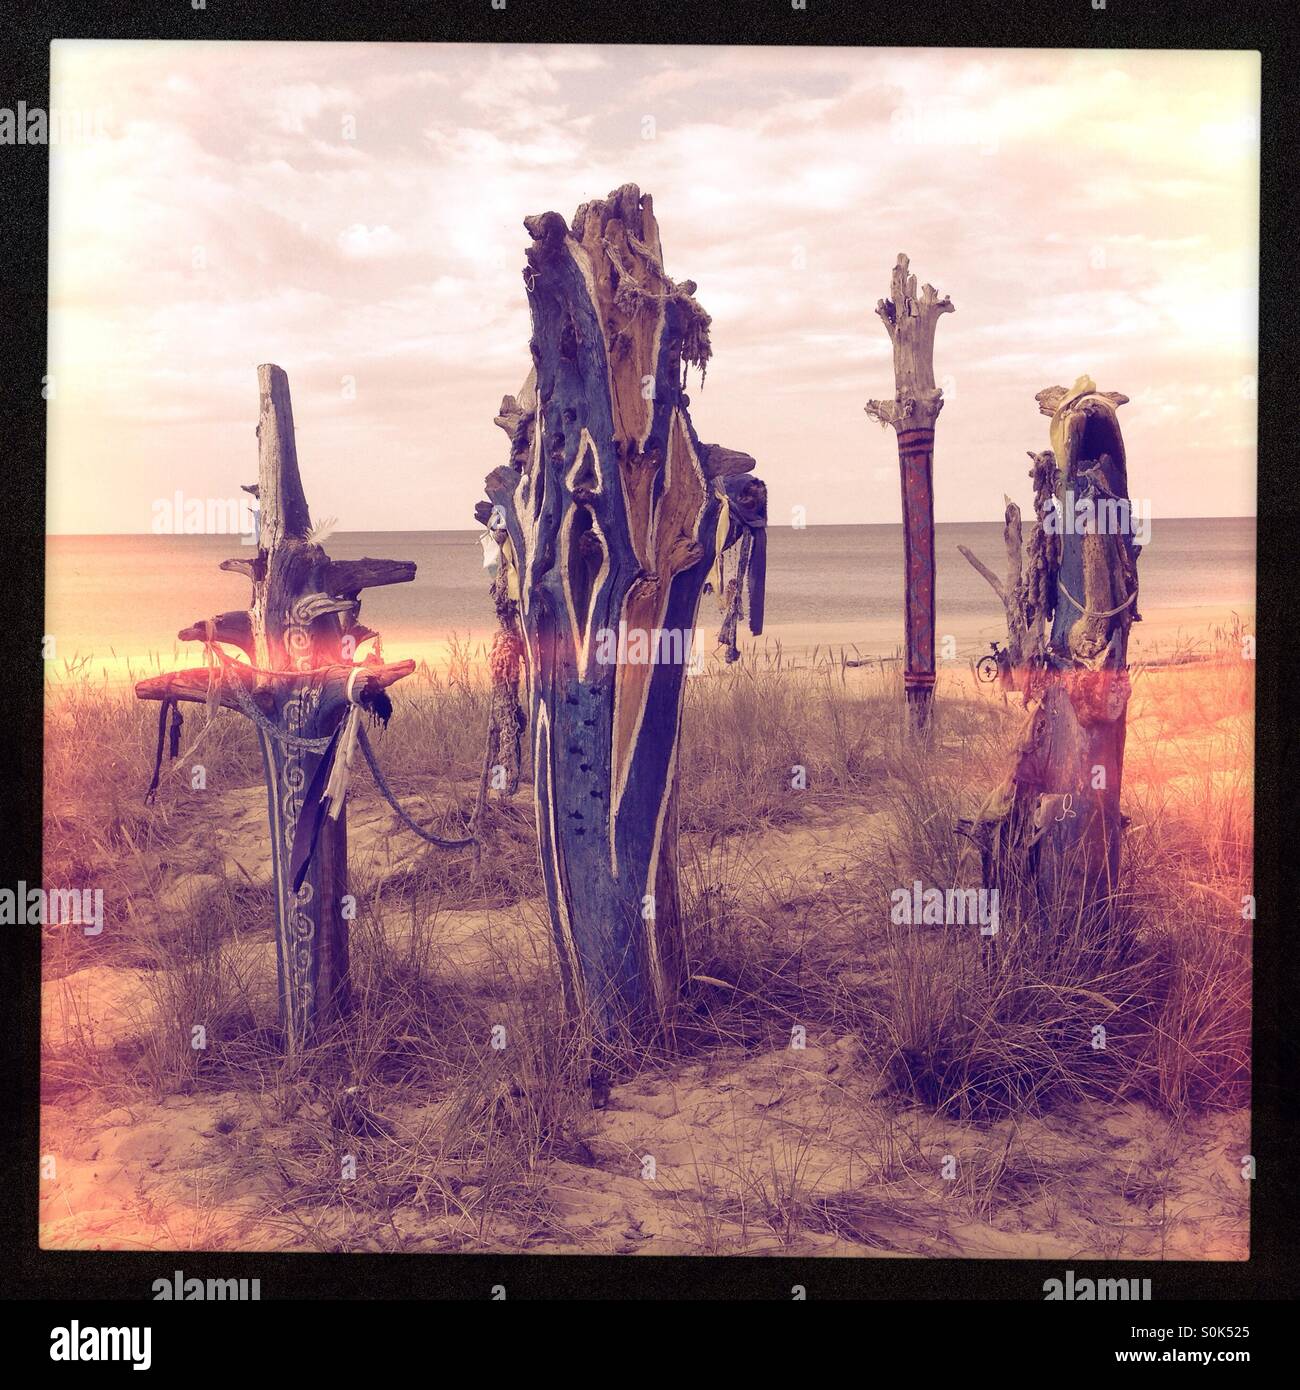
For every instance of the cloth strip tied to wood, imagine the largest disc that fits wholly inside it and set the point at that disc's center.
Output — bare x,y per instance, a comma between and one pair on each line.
750,580
326,792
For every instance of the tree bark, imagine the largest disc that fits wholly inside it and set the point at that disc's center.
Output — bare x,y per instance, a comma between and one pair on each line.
1056,821
299,635
1028,593
610,512
911,323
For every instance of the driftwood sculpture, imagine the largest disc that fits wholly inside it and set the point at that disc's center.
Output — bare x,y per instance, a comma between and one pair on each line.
1055,822
1026,594
611,516
910,323
298,684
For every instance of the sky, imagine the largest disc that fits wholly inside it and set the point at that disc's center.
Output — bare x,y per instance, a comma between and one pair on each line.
354,214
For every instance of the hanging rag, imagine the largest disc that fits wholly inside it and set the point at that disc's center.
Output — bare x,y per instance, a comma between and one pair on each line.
315,807
735,591
171,706
757,579
328,789
510,564
748,508
336,789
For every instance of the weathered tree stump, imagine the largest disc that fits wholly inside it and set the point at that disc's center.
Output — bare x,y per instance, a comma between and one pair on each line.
911,323
1056,822
299,635
1026,595
611,515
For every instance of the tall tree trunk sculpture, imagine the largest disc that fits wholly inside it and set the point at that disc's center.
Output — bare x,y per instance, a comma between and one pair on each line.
611,515
910,323
298,685
1055,822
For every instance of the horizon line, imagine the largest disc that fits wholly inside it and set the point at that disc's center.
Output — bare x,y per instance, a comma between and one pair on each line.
477,530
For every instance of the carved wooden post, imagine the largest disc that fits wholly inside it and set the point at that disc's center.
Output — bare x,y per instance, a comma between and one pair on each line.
1057,817
610,514
299,634
910,323
1096,603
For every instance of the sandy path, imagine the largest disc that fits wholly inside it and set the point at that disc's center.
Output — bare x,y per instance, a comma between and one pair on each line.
789,1150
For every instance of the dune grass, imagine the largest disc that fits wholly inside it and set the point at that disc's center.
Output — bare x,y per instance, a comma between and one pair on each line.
411,1084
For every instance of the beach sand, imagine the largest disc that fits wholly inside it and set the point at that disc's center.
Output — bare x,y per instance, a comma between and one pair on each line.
760,1149
1161,633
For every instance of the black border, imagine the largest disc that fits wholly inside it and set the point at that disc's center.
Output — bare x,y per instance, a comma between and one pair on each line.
1172,24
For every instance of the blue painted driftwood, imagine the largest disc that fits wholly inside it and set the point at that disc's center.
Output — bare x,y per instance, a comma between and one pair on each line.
298,684
611,515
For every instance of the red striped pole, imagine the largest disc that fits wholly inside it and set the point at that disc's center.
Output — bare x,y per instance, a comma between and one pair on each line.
910,322
915,460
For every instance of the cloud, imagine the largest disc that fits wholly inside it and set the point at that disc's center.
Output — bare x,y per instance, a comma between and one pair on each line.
364,242
1086,211
292,107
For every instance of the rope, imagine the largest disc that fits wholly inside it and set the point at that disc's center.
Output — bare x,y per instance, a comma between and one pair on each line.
287,740
386,793
247,706
318,745
312,745
1094,612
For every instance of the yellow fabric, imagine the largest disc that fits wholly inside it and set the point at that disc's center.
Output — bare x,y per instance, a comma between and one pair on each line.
336,788
720,540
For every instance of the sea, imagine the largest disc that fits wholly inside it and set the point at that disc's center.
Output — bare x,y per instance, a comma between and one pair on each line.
116,602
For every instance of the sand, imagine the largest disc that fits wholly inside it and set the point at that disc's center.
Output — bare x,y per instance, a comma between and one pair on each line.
1161,632
736,1140
781,1150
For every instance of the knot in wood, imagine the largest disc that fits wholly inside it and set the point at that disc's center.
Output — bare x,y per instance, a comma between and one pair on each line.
1098,697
